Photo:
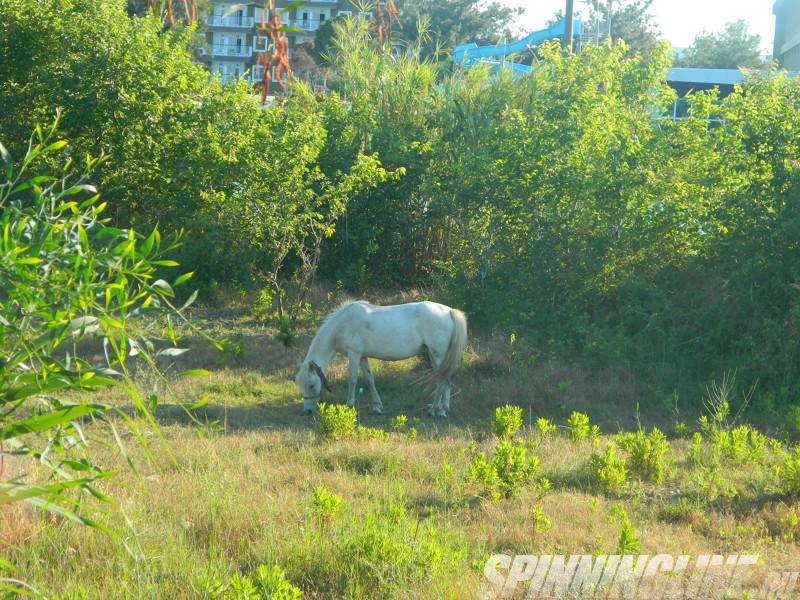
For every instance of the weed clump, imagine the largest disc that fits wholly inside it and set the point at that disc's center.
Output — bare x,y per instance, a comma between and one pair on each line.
579,428
507,421
337,421
265,583
646,452
509,470
608,472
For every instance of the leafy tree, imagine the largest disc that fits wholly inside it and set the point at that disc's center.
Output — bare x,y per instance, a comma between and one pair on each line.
628,20
447,23
731,48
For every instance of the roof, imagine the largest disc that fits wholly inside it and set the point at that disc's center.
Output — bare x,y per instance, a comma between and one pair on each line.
706,76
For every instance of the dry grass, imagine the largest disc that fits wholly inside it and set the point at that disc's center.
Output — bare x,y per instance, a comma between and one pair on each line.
237,494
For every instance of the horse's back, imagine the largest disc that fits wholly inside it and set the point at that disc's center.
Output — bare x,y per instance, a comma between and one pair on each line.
396,331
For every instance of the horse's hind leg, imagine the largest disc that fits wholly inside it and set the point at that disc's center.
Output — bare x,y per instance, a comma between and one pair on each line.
352,378
377,405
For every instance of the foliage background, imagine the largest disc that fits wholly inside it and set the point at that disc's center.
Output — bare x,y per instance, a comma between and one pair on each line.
558,205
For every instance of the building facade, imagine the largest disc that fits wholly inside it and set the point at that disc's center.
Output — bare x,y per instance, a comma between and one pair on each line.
787,33
234,39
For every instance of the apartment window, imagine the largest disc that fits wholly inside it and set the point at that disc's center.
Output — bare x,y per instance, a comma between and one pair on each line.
321,17
344,13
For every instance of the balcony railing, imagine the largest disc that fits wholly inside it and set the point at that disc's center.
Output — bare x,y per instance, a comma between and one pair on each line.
231,50
234,21
305,24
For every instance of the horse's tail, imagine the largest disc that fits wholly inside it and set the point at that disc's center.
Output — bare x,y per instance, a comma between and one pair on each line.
458,343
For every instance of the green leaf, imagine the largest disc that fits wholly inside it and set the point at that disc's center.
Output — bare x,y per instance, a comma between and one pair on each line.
48,420
172,351
183,278
196,373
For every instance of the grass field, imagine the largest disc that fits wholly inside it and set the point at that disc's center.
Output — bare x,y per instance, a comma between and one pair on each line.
242,490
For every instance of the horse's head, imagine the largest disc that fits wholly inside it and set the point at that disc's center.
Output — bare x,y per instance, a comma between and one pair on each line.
311,382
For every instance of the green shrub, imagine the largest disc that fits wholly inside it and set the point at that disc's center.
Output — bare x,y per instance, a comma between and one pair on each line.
371,433
325,504
579,428
541,522
286,333
265,583
628,542
790,473
336,421
398,423
608,472
392,550
507,421
262,306
509,470
646,453
545,426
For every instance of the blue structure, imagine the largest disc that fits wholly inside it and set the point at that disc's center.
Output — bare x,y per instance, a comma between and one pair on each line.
472,54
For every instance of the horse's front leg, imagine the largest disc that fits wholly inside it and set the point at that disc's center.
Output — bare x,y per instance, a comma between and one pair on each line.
352,377
377,405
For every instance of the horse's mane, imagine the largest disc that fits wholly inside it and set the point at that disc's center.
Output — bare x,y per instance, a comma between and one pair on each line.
340,309
331,316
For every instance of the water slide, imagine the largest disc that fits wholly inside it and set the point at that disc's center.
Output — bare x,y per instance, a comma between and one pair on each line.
472,54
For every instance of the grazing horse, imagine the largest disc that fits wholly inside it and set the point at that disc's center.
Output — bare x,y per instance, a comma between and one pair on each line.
361,331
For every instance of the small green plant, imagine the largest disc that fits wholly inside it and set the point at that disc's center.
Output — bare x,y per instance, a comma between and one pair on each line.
790,523
265,583
509,469
325,504
579,428
286,333
627,542
646,453
545,426
398,423
790,473
696,449
681,429
411,434
683,511
608,472
262,305
507,421
336,421
371,433
541,522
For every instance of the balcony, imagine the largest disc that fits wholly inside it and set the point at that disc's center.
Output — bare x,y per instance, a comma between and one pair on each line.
230,51
307,25
231,22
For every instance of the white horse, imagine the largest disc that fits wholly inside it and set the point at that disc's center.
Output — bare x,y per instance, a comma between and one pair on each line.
361,331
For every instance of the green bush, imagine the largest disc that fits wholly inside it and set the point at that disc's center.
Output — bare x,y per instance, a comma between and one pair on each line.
265,583
545,426
325,504
336,421
391,550
608,472
790,473
509,470
398,423
507,421
579,428
646,453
